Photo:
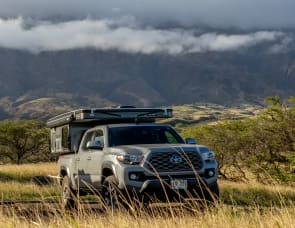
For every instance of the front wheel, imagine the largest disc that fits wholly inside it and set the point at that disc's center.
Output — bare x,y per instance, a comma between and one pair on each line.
212,194
115,198
206,195
111,195
68,194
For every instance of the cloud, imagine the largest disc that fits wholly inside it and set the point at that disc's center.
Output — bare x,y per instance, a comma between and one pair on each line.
121,36
215,13
283,46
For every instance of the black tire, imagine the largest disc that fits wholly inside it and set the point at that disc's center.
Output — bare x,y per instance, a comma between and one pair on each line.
68,195
112,196
206,195
212,193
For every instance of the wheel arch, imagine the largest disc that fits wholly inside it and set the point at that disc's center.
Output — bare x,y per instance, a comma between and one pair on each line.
108,169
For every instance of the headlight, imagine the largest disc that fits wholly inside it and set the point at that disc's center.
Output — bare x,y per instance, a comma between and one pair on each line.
130,159
208,156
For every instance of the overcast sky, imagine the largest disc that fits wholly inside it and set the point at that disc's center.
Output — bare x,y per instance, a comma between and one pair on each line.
137,26
216,13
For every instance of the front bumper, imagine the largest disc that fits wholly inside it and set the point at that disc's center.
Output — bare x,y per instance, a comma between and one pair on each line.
154,185
147,182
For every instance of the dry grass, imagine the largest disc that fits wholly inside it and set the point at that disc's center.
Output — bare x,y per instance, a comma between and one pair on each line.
256,194
242,205
13,190
24,173
223,216
197,111
16,182
30,169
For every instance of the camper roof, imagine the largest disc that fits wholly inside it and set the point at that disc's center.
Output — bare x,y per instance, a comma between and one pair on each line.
110,115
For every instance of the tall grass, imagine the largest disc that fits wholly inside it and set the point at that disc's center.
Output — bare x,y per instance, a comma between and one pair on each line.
13,190
223,216
257,194
15,182
241,205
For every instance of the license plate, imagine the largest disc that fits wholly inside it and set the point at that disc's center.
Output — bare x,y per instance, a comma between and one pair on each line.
178,184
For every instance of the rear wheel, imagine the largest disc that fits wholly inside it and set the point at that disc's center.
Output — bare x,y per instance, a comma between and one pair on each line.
68,194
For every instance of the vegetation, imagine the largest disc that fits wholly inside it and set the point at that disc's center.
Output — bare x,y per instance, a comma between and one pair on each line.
264,144
16,184
19,187
266,205
23,140
222,217
24,173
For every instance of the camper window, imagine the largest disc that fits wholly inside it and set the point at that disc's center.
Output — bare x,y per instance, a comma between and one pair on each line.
65,137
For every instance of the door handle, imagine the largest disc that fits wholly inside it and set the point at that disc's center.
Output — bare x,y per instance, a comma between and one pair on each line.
89,158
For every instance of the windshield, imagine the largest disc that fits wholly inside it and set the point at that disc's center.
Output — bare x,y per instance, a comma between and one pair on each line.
130,135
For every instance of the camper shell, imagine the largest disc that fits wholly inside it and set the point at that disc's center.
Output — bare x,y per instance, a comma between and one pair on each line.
67,129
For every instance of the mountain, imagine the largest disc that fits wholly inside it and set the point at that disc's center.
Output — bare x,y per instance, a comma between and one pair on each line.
44,84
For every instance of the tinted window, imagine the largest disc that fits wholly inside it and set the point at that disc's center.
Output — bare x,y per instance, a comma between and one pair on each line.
142,135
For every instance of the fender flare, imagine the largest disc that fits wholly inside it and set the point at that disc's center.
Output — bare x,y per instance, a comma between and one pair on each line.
110,166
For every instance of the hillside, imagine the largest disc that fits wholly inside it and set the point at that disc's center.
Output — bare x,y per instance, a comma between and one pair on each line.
41,85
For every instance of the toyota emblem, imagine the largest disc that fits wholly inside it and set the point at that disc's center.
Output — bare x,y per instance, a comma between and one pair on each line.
175,159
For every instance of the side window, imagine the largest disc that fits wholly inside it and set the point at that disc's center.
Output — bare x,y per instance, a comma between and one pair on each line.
170,138
87,138
53,141
93,136
65,137
98,136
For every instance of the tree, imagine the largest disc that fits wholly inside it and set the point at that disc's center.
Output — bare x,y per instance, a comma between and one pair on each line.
22,139
274,134
264,144
228,140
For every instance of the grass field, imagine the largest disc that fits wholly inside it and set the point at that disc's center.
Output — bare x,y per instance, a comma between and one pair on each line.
210,113
241,205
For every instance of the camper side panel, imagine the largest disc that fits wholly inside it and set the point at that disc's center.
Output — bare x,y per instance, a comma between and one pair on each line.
59,137
65,138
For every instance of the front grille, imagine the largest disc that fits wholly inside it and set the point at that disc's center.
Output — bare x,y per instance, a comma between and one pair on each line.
163,161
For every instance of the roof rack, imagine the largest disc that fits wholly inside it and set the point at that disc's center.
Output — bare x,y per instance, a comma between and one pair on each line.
121,114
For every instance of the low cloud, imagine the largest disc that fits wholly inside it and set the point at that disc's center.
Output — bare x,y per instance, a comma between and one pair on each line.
122,36
284,46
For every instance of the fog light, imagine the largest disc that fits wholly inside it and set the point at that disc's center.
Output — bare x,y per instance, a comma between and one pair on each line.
133,176
211,173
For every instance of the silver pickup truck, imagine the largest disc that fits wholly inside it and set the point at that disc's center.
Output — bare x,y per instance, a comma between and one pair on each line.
124,156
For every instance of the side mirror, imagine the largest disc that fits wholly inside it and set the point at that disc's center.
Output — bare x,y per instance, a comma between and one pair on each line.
75,148
94,145
190,141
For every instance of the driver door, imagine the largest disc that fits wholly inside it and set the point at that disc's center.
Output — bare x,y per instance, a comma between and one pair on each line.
89,161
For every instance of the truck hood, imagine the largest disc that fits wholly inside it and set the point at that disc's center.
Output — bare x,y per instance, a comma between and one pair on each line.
147,148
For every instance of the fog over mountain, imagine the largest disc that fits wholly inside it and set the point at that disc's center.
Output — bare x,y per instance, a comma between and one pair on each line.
126,37
141,26
61,54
